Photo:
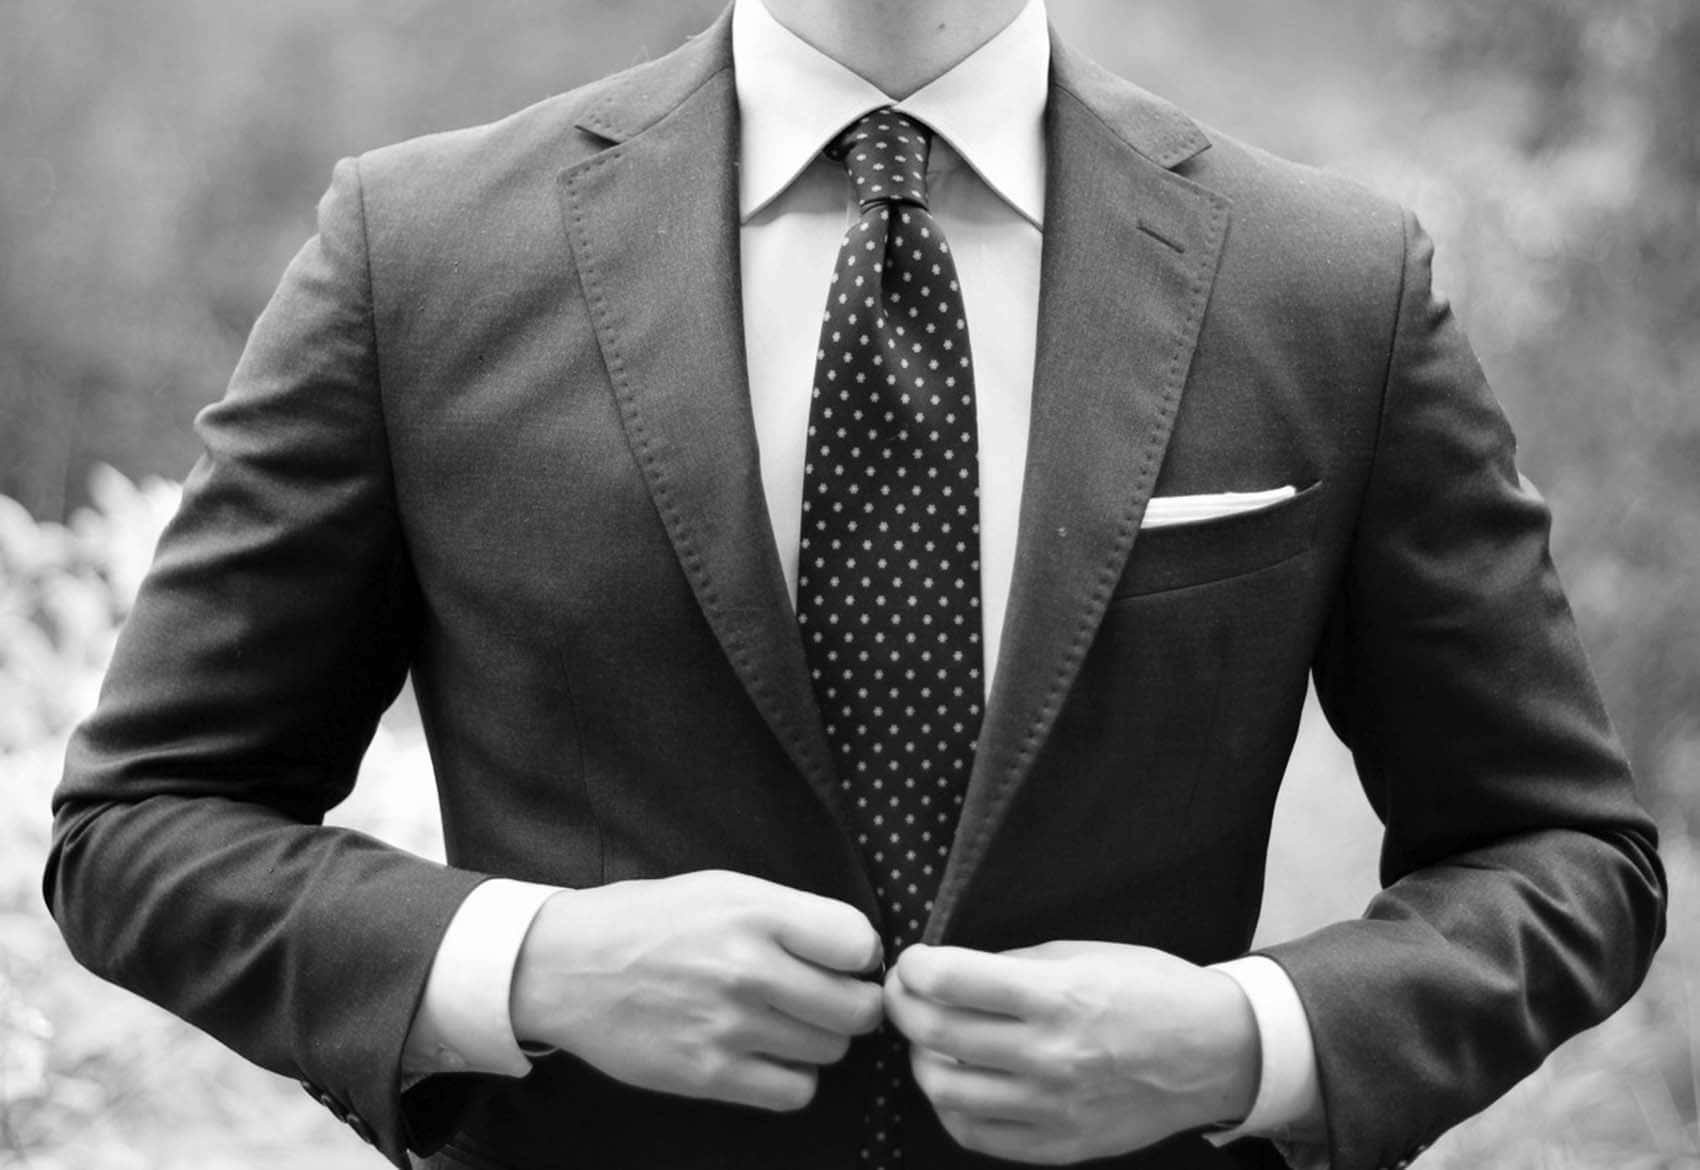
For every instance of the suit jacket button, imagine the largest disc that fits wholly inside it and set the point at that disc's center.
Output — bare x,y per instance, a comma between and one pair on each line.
362,1130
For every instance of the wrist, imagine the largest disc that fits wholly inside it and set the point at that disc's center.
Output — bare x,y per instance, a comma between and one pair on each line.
1237,1055
531,994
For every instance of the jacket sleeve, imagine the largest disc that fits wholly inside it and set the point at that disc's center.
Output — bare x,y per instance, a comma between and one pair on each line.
189,862
1523,897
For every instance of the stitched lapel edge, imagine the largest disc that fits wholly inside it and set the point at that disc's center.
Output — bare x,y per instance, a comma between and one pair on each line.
659,263
1130,258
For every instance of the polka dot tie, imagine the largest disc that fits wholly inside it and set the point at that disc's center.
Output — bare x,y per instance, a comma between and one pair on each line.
888,592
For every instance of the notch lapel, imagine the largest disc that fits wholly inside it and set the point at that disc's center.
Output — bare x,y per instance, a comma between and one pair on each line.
653,222
1130,254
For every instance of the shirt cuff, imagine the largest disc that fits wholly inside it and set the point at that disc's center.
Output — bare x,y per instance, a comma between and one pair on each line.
463,1023
1288,1094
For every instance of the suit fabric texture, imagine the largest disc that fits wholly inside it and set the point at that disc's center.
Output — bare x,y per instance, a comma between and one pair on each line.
493,430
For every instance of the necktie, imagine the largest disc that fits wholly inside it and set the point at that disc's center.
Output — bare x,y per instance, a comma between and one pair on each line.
888,592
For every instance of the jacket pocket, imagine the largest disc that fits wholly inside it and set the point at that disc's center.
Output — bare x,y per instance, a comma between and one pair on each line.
1181,556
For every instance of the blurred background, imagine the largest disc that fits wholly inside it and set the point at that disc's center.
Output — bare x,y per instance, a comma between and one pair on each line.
160,161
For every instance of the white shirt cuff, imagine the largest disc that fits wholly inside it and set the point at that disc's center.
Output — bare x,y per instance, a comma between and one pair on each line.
463,1023
1288,1093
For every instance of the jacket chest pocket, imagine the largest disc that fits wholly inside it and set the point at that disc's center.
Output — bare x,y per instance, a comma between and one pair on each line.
1182,556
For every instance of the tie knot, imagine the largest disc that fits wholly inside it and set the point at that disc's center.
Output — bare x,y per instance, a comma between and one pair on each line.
885,154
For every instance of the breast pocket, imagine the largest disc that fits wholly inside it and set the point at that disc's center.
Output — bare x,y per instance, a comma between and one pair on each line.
1182,556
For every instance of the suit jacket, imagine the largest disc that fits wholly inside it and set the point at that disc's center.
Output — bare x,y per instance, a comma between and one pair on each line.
493,430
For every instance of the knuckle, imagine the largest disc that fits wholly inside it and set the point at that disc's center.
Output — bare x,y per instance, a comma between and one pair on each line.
1052,1110
945,1094
1054,996
1088,1062
1043,1107
929,1080
835,1049
892,994
740,966
909,1016
1069,1113
957,1125
1060,1060
908,1023
867,1010
1065,1152
847,921
704,1069
928,1030
795,1092
714,885
917,975
973,1138
867,937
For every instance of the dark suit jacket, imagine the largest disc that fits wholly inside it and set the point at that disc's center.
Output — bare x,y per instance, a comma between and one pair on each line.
494,429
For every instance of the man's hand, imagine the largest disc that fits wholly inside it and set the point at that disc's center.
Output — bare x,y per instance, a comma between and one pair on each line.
712,984
1073,1050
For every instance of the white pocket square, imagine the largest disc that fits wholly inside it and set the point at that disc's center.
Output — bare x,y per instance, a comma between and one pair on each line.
1167,511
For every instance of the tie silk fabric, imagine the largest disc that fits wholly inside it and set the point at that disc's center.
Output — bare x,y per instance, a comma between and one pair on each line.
888,594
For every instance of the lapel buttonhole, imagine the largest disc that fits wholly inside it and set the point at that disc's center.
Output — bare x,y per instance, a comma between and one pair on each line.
1167,239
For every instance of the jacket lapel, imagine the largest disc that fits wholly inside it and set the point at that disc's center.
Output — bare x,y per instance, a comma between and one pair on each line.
1131,250
653,221
1130,254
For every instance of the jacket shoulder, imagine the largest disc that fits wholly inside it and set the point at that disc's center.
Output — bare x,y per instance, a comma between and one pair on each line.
1302,217
1306,243
541,140
547,129
1281,211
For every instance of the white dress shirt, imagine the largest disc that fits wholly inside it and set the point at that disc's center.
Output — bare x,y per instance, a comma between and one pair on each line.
986,185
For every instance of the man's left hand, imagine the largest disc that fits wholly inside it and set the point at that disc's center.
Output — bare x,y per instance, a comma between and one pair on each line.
1073,1050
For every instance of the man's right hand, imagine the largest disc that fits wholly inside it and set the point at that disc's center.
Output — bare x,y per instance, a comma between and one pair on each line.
711,984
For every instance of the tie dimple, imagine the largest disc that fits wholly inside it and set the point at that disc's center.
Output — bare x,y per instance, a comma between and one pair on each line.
885,155
889,570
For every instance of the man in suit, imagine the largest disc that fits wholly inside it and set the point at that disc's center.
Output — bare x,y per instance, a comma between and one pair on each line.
530,418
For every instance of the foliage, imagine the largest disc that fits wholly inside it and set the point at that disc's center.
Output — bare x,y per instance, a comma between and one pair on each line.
1551,148
1578,217
94,1079
158,165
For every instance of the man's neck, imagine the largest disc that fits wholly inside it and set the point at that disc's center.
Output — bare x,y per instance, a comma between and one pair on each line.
898,45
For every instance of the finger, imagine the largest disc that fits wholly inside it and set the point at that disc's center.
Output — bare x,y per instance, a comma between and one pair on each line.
977,1038
1011,1140
824,931
792,1041
973,979
837,1003
1057,949
979,1093
765,1084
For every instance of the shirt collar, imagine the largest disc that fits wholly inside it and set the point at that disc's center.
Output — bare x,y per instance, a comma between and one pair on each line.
990,108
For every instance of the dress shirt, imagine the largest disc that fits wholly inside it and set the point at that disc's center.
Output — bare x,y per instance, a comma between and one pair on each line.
986,186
